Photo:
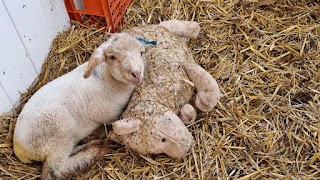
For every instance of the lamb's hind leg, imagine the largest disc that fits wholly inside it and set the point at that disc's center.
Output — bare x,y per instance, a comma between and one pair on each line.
185,29
208,92
61,165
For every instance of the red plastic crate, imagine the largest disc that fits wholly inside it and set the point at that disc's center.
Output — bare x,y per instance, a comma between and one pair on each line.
108,13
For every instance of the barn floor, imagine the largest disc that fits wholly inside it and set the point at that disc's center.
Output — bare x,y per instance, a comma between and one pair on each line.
266,58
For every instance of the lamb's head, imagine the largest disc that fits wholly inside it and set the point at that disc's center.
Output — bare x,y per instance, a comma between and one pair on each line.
154,135
123,55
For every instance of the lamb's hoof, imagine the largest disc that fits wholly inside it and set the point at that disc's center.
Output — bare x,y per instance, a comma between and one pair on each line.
47,174
97,147
100,147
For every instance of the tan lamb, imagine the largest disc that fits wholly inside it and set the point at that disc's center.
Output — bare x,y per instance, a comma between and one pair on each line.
150,124
69,108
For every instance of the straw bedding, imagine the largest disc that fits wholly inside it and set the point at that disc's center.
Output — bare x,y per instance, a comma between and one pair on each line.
265,57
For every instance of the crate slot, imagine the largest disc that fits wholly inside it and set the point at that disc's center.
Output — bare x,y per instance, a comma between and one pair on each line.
79,4
107,13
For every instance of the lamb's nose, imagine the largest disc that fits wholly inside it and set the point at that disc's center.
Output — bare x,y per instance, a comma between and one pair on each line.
136,74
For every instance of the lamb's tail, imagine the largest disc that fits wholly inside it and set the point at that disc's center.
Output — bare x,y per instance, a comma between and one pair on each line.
20,152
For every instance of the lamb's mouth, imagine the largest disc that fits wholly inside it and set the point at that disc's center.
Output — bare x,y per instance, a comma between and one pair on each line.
136,81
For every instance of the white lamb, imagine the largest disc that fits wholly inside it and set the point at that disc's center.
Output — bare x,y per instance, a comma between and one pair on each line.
69,108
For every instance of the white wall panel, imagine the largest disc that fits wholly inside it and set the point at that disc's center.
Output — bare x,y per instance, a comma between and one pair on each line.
16,70
56,16
5,103
27,30
35,30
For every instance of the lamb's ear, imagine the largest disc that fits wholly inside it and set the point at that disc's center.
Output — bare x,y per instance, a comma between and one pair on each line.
98,55
126,126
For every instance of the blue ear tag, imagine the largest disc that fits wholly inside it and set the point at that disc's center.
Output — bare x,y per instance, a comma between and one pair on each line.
149,43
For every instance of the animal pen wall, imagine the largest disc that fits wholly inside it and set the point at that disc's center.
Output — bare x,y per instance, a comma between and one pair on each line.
27,30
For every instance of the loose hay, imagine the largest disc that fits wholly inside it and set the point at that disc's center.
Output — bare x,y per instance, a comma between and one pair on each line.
266,61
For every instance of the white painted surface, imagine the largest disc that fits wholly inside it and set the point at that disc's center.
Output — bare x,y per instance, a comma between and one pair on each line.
16,68
27,30
35,23
5,102
55,15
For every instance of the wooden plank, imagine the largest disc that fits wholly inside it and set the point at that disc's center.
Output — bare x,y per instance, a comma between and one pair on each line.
5,103
16,70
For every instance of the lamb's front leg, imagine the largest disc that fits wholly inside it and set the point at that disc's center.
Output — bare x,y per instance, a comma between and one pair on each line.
208,92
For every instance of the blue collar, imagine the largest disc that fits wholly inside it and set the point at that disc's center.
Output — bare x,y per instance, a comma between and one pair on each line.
149,43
